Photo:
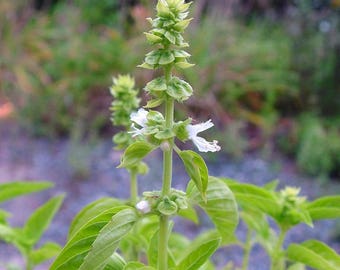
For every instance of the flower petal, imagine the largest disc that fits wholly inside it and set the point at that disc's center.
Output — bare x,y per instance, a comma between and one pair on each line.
136,131
193,130
204,146
139,117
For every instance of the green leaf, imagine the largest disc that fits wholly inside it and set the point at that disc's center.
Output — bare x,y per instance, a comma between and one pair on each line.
178,244
297,266
189,214
135,153
134,265
115,262
295,216
72,255
3,216
152,251
14,189
220,206
197,169
137,266
39,221
314,254
91,211
198,254
256,220
248,195
324,208
7,233
108,239
272,185
141,235
44,253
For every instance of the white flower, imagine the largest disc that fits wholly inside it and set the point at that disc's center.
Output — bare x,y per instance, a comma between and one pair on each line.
143,206
202,144
140,119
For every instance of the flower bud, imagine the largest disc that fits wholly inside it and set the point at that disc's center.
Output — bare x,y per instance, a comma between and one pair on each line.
165,146
143,207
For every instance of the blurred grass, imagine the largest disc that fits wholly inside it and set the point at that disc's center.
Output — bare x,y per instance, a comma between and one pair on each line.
58,70
253,79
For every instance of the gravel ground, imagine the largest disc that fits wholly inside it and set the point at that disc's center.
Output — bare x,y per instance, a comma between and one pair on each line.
86,172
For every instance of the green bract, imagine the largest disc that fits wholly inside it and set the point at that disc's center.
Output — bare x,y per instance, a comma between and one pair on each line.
162,57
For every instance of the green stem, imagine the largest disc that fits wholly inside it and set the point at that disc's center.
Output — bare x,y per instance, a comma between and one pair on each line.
167,178
163,243
133,187
29,264
133,200
278,260
247,248
168,148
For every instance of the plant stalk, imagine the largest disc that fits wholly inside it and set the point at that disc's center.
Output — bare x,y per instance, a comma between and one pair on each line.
278,260
163,243
247,249
167,178
133,201
29,264
133,187
168,149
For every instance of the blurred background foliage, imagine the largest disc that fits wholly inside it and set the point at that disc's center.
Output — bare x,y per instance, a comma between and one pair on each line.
267,72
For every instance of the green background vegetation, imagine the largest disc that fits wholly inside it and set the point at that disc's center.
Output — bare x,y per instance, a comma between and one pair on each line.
268,75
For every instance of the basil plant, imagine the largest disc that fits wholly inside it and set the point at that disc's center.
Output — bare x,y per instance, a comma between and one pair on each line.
138,233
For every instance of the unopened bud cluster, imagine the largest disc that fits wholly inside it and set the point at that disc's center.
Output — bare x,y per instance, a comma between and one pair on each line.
124,103
293,207
153,202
